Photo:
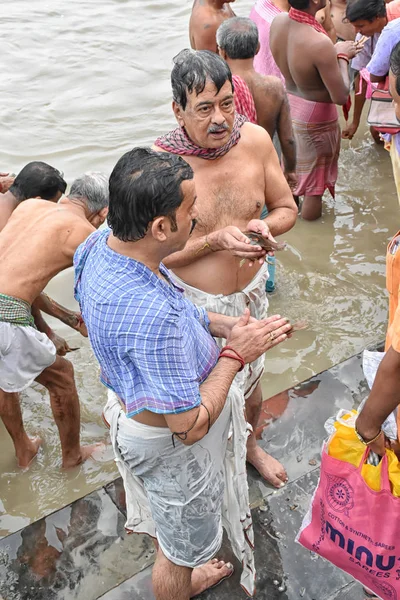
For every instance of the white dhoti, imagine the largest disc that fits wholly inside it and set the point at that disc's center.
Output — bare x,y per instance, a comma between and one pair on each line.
24,353
253,297
184,495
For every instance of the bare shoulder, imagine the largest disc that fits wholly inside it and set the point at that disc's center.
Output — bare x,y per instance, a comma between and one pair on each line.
279,22
272,85
254,138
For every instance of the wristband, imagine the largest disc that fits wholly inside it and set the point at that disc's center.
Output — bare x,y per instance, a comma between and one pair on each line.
343,57
226,353
369,442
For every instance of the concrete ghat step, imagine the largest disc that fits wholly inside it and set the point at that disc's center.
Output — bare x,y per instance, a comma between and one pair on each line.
82,552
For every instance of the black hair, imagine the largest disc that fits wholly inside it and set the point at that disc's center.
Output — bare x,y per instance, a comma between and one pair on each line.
192,69
366,10
38,179
145,185
395,65
300,4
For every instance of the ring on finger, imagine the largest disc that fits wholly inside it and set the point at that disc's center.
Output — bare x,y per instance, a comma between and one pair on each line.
272,336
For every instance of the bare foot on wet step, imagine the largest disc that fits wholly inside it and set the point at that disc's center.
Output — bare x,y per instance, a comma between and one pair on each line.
209,575
268,467
85,452
29,453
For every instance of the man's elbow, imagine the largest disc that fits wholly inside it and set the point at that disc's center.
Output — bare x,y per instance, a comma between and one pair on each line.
341,98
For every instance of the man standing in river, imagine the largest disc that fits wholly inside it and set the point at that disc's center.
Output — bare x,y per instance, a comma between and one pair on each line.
206,17
237,173
317,78
38,242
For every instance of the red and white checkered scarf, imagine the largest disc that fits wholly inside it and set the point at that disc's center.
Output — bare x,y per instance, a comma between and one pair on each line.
244,101
178,142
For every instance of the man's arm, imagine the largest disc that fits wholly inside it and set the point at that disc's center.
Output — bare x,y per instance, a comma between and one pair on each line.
285,134
333,71
379,65
204,37
358,103
383,399
282,209
49,306
61,345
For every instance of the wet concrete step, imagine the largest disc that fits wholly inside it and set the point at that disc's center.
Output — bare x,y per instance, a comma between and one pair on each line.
82,551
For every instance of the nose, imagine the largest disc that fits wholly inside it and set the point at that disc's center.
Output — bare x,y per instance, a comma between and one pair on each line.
195,212
218,117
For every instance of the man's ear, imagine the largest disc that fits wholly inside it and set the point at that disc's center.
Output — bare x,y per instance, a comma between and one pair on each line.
103,214
258,48
160,228
178,112
222,53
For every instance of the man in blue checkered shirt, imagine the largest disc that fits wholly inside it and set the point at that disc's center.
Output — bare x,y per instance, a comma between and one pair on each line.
171,400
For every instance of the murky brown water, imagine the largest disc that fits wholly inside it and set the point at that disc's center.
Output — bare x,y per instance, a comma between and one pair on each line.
82,82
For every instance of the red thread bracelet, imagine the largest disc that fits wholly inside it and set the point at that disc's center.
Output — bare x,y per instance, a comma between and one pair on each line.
225,353
344,57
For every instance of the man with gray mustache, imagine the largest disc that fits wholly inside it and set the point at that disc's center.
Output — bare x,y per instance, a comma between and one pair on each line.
237,173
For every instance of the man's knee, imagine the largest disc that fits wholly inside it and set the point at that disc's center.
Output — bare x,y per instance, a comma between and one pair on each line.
59,376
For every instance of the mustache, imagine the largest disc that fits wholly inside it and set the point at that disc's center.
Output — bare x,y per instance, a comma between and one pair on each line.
218,128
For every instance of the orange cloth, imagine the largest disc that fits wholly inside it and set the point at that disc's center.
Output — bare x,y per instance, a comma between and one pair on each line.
393,10
392,286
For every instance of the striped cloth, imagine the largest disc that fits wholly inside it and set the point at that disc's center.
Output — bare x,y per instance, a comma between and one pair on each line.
263,13
244,101
153,345
178,142
15,311
317,135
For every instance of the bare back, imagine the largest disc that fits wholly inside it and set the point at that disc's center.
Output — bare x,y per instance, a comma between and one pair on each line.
204,22
307,60
269,96
38,242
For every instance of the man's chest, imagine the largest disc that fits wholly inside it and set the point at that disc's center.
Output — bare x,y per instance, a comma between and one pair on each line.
229,192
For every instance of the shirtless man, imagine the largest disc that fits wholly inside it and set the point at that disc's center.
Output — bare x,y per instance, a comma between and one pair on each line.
40,180
345,31
237,40
206,17
38,242
237,173
317,78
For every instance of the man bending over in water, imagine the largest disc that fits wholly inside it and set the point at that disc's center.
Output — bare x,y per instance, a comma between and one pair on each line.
40,180
237,173
38,242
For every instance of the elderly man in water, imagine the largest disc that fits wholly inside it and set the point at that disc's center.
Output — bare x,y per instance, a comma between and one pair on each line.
174,394
237,173
38,242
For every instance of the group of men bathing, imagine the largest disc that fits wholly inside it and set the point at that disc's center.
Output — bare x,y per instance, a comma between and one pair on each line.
175,397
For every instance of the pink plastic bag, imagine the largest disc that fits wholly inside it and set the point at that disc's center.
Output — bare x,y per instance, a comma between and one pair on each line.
354,527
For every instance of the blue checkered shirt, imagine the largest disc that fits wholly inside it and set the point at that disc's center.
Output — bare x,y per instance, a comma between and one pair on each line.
153,345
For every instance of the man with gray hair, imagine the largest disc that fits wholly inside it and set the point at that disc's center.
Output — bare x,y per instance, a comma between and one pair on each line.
38,241
237,174
238,43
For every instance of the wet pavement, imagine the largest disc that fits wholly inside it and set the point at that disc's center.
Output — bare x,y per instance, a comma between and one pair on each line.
82,551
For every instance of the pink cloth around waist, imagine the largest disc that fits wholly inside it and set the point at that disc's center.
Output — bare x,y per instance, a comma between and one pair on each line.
311,112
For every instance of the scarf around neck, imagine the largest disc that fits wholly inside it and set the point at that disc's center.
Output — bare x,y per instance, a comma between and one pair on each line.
303,17
178,142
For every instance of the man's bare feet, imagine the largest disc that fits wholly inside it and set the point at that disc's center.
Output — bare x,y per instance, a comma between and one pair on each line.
268,467
209,575
85,452
29,453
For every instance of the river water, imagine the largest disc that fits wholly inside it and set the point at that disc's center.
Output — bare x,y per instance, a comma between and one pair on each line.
84,81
